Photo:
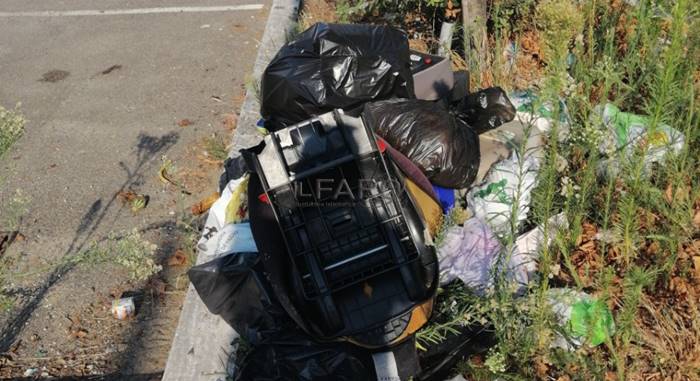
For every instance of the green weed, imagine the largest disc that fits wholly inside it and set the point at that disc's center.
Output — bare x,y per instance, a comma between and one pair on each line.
14,210
11,128
129,251
630,220
216,147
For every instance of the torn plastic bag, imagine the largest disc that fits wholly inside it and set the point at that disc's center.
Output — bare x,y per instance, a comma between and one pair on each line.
445,148
469,253
233,288
508,180
232,238
630,131
525,254
486,109
234,169
581,317
333,66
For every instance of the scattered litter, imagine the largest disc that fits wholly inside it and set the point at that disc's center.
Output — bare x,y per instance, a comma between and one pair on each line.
185,123
584,319
230,208
30,372
532,111
204,204
232,238
630,132
123,308
110,69
524,259
469,253
508,180
204,26
447,152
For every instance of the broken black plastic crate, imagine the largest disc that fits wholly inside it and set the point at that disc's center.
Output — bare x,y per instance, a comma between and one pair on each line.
355,242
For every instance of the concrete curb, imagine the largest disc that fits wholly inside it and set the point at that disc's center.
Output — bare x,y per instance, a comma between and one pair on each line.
202,344
282,17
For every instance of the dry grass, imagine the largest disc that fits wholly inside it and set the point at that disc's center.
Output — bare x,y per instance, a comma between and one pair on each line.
670,339
316,11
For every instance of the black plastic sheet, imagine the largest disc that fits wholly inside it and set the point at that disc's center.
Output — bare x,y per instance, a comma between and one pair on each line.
234,288
445,148
333,66
292,356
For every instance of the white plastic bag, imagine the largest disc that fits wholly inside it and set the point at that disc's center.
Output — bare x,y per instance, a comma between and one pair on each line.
508,180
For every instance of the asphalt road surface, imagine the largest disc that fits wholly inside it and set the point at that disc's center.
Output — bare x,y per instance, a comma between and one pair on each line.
103,86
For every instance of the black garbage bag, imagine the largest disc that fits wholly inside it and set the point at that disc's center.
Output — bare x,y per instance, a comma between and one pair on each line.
445,148
235,288
292,356
333,66
486,109
234,168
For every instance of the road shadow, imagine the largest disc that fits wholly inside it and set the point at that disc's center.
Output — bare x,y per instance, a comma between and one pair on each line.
147,150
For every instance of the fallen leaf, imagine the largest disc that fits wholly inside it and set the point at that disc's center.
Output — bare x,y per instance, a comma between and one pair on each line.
80,333
230,121
696,264
541,368
203,205
653,248
111,69
178,259
696,219
134,200
668,194
127,196
185,123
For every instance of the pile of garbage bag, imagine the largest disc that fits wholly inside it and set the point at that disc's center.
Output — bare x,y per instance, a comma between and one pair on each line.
333,237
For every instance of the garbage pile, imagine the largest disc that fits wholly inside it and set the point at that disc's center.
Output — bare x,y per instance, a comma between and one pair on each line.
322,247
